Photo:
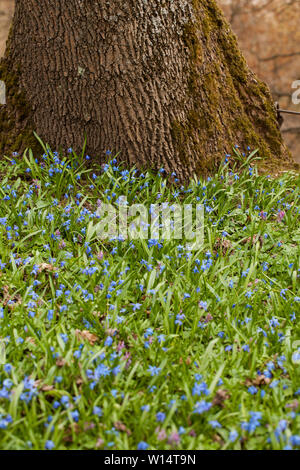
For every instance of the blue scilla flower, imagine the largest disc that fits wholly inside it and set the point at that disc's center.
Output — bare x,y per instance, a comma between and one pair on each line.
142,445
50,217
97,411
65,400
282,426
49,445
154,370
233,435
108,341
149,332
179,319
215,424
203,305
4,422
145,408
75,415
160,416
136,306
7,368
253,423
64,337
101,371
295,440
202,407
200,389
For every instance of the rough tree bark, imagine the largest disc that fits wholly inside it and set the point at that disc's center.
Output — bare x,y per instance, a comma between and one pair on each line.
162,81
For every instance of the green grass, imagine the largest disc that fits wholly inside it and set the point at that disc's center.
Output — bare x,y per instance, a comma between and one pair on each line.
157,347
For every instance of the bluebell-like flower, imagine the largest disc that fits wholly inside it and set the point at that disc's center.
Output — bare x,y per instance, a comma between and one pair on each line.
202,407
142,445
160,416
154,370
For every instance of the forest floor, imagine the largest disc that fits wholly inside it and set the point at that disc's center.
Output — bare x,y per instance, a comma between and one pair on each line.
145,344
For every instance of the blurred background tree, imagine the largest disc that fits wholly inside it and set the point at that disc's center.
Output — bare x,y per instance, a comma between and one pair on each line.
269,35
6,14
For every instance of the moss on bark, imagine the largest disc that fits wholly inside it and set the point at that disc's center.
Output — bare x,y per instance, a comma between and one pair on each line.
215,101
248,118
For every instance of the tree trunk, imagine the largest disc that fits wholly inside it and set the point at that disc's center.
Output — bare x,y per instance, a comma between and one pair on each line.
162,81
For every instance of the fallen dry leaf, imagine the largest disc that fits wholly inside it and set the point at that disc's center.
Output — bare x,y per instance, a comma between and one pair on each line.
258,381
47,388
254,239
111,331
46,267
43,387
224,244
218,439
293,405
121,427
85,334
74,427
79,381
31,340
88,425
220,397
7,297
60,362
